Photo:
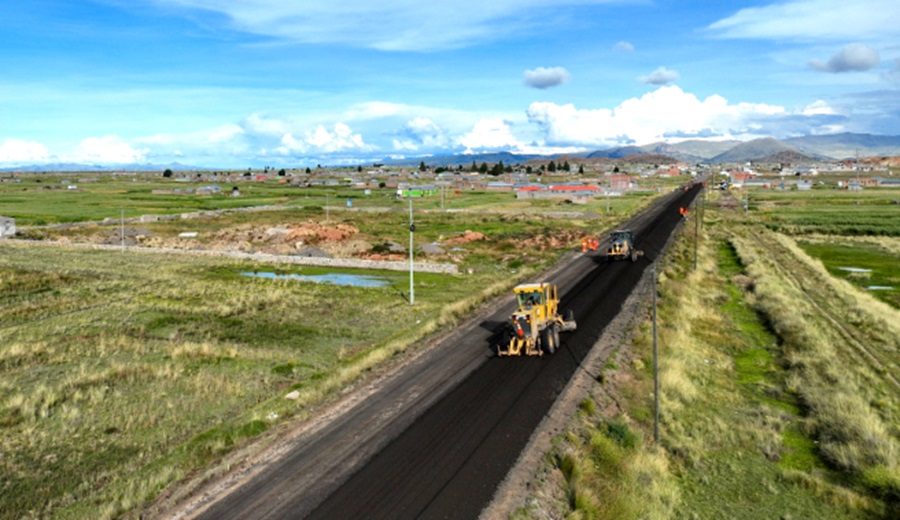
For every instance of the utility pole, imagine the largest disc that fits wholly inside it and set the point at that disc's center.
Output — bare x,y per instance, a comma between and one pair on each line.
655,366
412,230
696,234
122,229
327,211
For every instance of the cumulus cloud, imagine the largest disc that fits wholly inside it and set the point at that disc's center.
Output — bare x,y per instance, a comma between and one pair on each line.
546,77
392,25
812,19
623,46
660,76
652,117
321,140
489,134
818,108
110,149
18,151
855,57
421,132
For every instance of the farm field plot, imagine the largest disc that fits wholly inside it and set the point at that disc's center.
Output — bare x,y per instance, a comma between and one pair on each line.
122,373
44,199
828,211
871,265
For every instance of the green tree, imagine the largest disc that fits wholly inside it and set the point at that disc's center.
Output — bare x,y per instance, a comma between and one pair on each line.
359,169
422,166
551,167
616,169
473,168
528,169
581,169
483,168
167,173
308,170
567,167
282,173
497,169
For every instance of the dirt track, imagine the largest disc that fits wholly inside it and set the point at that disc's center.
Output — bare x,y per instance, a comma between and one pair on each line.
436,440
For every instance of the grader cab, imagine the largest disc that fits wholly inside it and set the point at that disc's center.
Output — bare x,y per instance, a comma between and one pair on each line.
621,246
536,323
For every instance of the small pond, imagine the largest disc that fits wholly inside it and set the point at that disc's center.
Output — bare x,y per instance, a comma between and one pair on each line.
855,269
354,280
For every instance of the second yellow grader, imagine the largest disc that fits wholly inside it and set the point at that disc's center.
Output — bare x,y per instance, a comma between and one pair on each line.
535,325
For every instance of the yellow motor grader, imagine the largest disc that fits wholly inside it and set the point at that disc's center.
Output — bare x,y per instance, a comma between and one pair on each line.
535,325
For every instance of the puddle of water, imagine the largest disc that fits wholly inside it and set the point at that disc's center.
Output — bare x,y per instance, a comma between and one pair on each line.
880,288
855,269
353,280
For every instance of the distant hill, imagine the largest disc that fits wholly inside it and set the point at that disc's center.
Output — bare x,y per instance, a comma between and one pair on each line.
787,157
846,145
754,150
650,158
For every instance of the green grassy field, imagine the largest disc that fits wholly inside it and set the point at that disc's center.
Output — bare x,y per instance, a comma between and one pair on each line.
866,212
840,256
44,199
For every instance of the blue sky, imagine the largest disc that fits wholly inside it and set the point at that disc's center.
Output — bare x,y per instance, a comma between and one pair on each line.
280,82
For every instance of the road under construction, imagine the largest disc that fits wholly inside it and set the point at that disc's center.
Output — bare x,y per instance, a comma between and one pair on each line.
435,439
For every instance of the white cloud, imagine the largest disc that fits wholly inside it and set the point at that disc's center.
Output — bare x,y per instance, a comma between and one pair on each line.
818,108
110,149
392,25
489,134
813,20
855,57
321,140
421,132
660,76
260,124
623,46
654,116
20,151
546,77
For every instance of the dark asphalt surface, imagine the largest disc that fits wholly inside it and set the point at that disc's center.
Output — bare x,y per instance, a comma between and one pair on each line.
436,442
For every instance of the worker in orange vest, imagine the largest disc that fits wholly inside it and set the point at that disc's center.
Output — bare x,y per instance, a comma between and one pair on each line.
683,212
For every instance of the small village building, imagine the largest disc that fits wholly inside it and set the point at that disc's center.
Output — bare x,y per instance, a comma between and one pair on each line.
212,189
7,227
887,183
804,185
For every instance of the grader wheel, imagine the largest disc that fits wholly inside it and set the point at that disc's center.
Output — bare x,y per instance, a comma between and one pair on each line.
548,340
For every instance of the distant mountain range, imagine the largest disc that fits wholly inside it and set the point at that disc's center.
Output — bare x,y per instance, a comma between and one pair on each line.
791,150
79,167
795,149
767,149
